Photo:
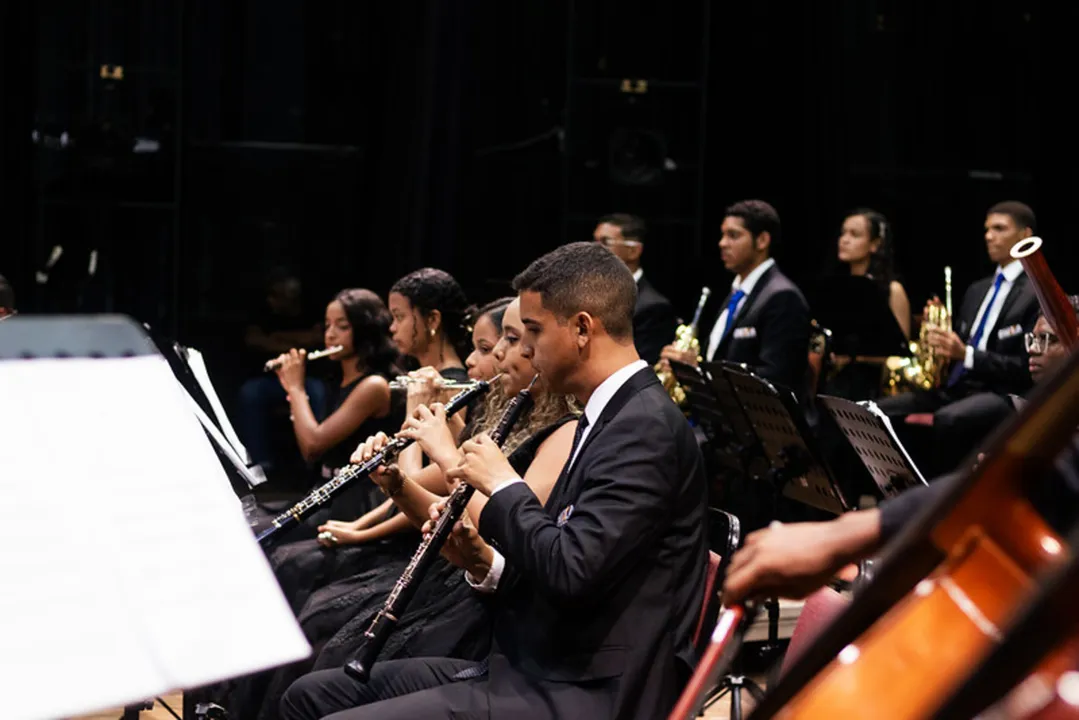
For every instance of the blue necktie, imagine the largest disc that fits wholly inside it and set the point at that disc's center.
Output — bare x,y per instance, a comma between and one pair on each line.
958,370
732,306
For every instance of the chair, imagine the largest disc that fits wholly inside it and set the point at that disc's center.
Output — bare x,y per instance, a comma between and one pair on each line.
818,612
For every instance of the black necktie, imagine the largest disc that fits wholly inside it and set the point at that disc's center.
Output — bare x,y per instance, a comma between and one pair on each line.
582,425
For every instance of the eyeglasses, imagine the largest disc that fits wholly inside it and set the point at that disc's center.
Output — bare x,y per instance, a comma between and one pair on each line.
608,242
1040,342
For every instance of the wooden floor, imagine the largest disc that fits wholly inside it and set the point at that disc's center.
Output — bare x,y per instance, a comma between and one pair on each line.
174,700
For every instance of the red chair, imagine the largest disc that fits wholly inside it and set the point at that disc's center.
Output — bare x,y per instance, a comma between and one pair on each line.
710,606
818,612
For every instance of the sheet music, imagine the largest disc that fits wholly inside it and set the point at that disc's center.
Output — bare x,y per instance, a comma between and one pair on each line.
880,415
128,566
198,369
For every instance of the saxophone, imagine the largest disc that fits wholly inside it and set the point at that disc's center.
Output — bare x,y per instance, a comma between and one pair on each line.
925,369
685,339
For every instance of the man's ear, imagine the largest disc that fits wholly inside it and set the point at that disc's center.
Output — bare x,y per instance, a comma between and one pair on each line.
585,326
763,241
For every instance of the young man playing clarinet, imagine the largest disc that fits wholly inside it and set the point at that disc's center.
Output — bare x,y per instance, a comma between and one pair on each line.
595,594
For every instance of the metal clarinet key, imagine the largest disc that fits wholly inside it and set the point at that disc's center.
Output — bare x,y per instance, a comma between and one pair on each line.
393,609
322,494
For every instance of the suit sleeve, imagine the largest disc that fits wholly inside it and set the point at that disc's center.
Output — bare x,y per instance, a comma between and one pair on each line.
897,511
784,341
653,329
1011,371
628,492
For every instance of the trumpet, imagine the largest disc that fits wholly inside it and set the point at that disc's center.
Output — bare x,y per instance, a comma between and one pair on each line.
272,365
686,340
401,382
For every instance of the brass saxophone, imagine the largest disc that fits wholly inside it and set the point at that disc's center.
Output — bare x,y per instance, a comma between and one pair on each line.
925,369
685,339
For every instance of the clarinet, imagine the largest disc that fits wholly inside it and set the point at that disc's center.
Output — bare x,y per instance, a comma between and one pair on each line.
393,609
322,495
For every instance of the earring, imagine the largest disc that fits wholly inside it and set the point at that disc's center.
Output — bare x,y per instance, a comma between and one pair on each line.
432,332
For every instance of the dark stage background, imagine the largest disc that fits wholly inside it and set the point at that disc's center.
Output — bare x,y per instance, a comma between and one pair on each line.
357,141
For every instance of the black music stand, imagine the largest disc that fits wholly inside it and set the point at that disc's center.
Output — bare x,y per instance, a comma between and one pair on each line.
857,314
796,466
885,467
734,451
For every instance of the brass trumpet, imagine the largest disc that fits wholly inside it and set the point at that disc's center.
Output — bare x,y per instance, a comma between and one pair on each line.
925,370
685,339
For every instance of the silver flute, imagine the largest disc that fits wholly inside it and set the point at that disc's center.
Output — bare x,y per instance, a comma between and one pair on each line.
272,365
401,382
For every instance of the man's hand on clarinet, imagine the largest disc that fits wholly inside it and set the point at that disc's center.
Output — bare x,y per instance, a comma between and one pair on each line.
463,547
483,466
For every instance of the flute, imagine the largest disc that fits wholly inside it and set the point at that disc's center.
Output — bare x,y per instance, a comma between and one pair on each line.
272,365
401,382
325,492
394,608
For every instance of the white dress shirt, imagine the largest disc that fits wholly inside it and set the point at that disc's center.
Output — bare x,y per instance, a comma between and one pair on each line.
1011,273
592,410
745,286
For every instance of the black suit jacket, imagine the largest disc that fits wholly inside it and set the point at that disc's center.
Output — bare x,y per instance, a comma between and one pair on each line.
770,333
603,586
1002,366
654,322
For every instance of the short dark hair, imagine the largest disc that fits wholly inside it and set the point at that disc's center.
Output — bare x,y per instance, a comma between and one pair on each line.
7,294
1020,213
758,216
632,227
429,289
496,310
371,339
584,277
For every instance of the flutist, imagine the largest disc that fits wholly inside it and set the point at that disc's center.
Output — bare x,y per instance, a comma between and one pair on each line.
985,352
596,593
361,403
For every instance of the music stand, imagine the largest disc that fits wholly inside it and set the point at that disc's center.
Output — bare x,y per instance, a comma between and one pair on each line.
888,468
796,466
94,406
853,308
734,447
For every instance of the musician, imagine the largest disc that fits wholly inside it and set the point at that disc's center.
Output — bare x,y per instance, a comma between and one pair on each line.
595,594
865,249
362,403
764,322
336,615
7,298
654,318
986,350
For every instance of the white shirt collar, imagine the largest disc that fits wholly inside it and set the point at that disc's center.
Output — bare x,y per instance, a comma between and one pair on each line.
607,389
750,280
638,274
1011,271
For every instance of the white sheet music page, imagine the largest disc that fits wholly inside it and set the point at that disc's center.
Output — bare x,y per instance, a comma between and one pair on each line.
128,567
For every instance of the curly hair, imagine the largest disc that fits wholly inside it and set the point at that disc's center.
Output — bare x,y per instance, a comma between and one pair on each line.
758,217
371,339
430,289
548,409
